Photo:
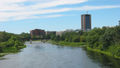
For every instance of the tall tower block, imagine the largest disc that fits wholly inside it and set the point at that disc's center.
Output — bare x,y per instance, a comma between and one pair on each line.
86,22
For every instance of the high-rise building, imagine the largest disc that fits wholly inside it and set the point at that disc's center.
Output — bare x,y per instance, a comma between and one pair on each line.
86,22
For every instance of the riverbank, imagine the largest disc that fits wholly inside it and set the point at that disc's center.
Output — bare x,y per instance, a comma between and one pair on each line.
102,52
11,50
40,55
11,43
82,44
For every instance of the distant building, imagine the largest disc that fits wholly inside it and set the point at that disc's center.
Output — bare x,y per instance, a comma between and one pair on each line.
50,32
59,33
86,22
69,30
37,33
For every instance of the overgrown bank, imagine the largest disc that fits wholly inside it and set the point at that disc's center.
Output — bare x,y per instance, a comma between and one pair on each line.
11,43
105,40
82,44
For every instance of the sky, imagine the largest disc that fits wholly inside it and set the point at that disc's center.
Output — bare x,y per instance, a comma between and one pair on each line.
17,16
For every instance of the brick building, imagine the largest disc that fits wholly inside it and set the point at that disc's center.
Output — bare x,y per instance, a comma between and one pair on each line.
37,33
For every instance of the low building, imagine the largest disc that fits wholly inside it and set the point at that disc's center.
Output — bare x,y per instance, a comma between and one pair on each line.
37,33
62,32
50,32
59,33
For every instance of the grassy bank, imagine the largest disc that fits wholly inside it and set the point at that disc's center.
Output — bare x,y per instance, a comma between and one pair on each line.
12,43
13,49
103,52
9,50
79,44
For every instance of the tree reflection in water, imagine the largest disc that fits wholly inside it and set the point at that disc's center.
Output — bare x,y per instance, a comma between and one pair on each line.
103,60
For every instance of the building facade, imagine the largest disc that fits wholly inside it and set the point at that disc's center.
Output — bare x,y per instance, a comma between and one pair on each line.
50,32
37,33
86,22
59,33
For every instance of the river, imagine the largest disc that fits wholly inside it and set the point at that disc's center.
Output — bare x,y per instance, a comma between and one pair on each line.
46,55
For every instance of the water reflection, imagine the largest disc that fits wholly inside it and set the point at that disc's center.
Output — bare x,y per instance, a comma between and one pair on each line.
1,58
45,55
103,60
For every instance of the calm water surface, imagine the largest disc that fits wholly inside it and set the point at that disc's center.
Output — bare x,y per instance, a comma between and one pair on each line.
45,55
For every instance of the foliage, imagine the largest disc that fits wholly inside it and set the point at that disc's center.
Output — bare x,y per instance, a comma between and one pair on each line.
25,36
10,42
106,39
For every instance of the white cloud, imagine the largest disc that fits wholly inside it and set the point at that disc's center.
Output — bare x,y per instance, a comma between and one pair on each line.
19,5
10,9
37,17
24,14
52,16
85,8
57,3
18,10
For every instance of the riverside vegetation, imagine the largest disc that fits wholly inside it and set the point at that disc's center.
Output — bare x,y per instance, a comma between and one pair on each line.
12,43
104,40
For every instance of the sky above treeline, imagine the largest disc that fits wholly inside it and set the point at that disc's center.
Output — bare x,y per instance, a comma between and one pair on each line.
17,16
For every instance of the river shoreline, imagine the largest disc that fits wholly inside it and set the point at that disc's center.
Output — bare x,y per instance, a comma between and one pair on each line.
48,55
12,52
102,52
82,44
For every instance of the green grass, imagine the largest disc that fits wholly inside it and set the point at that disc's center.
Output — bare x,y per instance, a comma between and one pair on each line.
103,52
13,49
82,44
2,54
9,50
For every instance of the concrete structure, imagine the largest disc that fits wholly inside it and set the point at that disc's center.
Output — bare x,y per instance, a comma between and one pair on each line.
37,33
86,22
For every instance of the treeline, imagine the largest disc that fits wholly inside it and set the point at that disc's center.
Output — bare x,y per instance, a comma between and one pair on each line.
105,39
10,43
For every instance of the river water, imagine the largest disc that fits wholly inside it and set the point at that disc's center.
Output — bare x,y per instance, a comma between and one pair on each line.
46,55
